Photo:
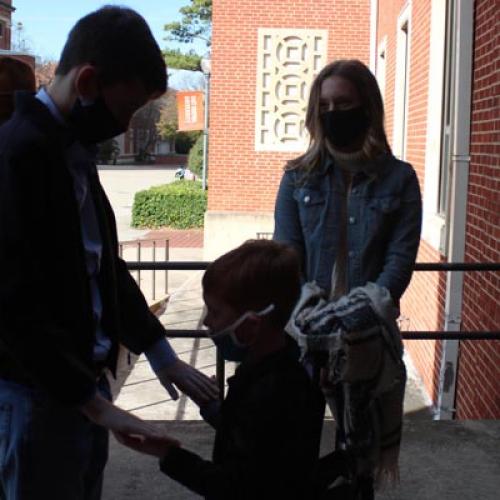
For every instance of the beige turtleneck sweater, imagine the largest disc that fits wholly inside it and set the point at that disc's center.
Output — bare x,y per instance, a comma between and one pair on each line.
350,164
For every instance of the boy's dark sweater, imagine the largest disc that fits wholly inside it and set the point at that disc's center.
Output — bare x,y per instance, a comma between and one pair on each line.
267,440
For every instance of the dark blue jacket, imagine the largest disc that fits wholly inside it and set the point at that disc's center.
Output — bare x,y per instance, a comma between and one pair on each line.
47,329
384,214
267,437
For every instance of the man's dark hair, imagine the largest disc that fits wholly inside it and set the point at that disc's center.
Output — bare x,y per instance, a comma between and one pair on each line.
119,43
254,275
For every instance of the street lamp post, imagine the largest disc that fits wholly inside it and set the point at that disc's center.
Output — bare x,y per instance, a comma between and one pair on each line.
206,67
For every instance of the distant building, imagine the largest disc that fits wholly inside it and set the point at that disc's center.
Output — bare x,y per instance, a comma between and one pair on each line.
6,11
163,151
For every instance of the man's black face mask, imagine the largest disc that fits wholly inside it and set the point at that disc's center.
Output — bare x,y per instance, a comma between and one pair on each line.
94,123
345,127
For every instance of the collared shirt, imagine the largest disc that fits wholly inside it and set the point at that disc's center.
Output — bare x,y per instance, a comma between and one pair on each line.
80,161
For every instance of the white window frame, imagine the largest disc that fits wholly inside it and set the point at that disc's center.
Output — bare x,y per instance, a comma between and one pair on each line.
402,82
381,67
434,223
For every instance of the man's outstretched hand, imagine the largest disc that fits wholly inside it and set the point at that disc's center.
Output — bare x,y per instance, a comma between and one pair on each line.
157,447
189,380
102,412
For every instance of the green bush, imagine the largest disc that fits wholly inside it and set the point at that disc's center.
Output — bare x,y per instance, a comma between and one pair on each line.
180,205
184,141
195,158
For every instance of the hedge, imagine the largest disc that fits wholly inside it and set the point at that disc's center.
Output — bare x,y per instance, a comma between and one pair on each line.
195,158
180,205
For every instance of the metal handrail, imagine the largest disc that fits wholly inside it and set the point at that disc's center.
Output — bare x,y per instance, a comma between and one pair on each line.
406,335
419,266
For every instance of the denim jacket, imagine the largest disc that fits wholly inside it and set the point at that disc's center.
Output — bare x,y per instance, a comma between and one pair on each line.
384,215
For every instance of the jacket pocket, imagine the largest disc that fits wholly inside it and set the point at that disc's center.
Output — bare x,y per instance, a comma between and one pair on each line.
380,216
311,203
385,205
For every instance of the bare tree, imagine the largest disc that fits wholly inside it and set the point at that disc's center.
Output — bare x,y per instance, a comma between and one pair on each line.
144,125
45,71
167,124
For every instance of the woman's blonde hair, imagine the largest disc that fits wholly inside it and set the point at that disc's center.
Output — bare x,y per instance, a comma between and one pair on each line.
365,83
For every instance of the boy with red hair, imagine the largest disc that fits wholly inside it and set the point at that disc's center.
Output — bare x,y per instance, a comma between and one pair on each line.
269,425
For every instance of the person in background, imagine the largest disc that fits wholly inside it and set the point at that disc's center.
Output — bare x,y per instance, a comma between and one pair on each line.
66,298
348,206
15,75
269,425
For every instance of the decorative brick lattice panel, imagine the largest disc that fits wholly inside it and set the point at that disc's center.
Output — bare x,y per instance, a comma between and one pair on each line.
288,61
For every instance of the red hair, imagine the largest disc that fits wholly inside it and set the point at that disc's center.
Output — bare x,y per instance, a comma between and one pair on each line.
254,275
14,75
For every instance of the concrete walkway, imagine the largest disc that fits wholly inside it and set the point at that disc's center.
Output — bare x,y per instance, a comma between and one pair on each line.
141,393
439,461
122,182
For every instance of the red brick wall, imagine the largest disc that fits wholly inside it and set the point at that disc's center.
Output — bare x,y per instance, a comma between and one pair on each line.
171,159
5,12
241,179
478,386
423,303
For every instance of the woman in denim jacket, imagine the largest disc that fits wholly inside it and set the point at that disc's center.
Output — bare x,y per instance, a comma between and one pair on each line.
351,209
348,206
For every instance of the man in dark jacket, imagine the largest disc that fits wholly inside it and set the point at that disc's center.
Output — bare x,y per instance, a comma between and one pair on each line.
269,425
66,299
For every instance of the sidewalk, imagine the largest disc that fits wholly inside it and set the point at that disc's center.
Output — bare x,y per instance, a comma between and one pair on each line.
141,393
456,460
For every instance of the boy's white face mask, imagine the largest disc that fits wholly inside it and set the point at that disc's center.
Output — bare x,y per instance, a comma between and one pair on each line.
226,340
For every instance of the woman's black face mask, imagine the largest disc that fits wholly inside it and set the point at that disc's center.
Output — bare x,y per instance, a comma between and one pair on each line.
345,127
94,123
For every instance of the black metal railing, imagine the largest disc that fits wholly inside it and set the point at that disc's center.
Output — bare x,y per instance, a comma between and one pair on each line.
406,335
155,246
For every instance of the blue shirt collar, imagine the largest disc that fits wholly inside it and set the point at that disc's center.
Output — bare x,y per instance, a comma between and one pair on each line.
44,97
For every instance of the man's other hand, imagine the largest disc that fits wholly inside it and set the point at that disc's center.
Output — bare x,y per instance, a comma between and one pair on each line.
189,380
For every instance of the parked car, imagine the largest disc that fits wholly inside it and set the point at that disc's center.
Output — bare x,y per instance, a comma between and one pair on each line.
185,173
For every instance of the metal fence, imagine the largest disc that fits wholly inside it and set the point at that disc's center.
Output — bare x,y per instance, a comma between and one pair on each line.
155,249
406,335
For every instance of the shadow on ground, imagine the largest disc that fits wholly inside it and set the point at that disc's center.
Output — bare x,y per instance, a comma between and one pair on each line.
456,460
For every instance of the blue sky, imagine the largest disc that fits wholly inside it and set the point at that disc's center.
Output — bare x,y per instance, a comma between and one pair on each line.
47,23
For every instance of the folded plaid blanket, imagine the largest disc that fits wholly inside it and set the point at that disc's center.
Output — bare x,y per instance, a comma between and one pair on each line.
364,370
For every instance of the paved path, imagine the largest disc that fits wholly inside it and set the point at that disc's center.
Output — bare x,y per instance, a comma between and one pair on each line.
185,238
456,460
121,183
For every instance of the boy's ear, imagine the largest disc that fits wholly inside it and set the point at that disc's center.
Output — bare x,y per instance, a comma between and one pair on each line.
86,83
248,331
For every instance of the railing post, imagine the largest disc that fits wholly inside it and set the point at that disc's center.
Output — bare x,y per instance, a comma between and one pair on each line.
139,260
220,373
154,271
167,256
